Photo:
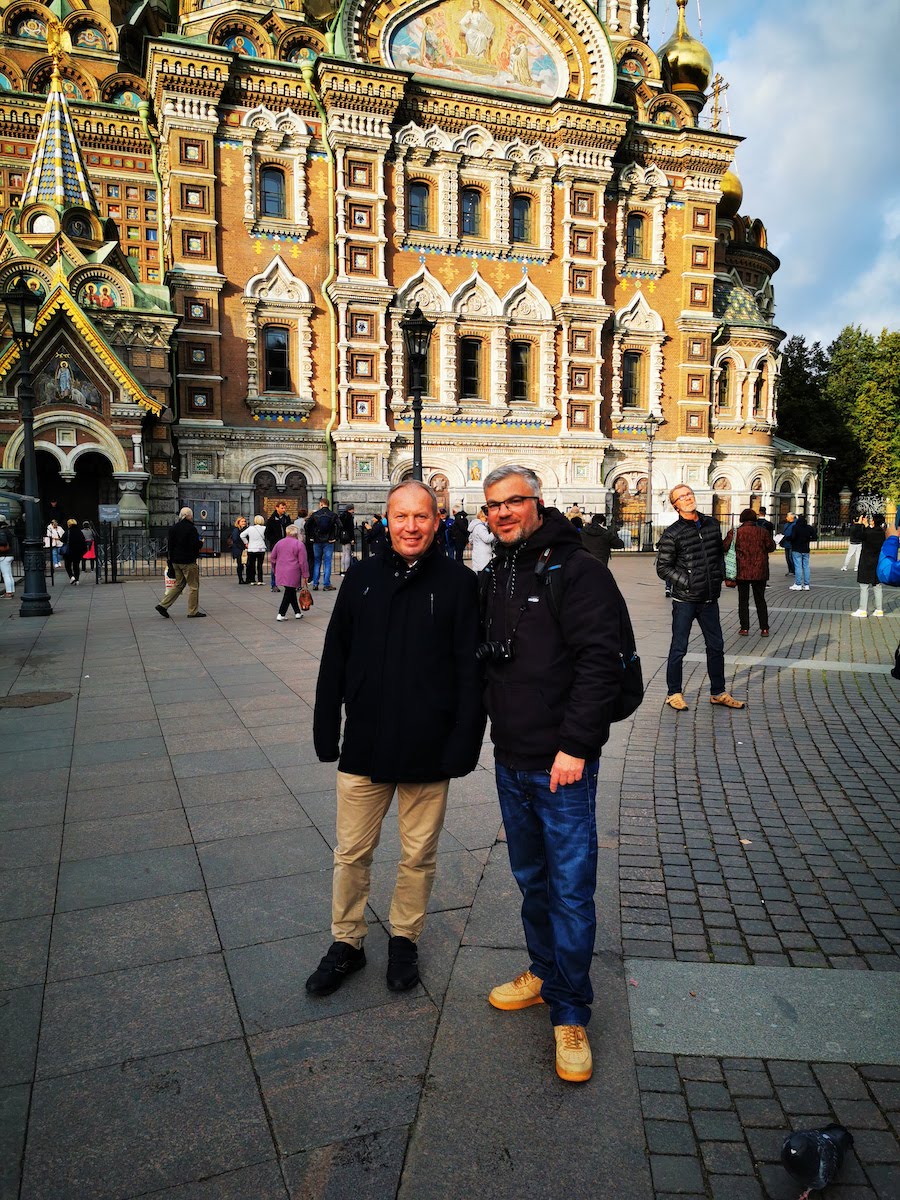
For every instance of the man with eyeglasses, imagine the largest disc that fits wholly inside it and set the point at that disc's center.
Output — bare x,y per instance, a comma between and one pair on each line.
691,560
551,674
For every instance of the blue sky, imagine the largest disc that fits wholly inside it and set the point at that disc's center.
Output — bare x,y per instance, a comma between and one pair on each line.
814,91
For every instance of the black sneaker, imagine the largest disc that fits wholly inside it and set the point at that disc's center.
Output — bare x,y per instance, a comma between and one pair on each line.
163,612
341,960
403,964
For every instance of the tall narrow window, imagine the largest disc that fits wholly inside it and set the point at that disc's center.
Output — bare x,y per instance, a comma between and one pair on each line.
273,196
276,344
632,383
419,197
723,390
520,371
522,210
470,368
758,386
634,235
471,212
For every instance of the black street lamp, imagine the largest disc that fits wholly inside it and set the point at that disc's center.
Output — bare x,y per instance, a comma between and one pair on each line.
417,331
651,424
22,305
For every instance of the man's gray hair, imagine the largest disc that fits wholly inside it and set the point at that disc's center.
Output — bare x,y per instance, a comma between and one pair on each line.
526,473
186,514
417,483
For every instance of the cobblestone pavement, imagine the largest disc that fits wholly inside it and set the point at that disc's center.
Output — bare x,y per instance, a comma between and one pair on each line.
165,846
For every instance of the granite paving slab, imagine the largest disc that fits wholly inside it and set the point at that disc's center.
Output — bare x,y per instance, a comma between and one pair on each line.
151,1123
20,1018
13,1123
366,1168
263,856
94,940
23,951
27,891
97,1020
240,817
134,876
32,847
124,834
261,1182
120,774
123,801
35,784
26,814
240,785
356,1074
266,910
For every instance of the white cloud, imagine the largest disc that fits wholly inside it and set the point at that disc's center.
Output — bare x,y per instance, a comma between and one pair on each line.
813,90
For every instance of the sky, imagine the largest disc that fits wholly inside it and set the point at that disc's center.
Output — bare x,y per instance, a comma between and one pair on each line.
813,88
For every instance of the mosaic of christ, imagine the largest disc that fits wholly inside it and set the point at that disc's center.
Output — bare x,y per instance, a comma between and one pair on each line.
476,41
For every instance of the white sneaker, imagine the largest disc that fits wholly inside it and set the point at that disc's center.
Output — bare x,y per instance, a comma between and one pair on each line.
280,618
795,587
806,587
879,612
298,616
860,612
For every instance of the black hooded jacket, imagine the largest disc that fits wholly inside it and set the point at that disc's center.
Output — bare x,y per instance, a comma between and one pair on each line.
556,691
399,655
691,559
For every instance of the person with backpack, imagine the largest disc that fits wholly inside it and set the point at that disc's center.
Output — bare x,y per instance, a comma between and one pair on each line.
322,531
598,540
553,674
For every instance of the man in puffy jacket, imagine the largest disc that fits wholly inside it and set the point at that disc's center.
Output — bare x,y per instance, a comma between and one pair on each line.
551,678
691,560
275,529
405,620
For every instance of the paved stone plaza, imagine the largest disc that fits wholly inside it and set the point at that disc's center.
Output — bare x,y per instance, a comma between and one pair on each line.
165,892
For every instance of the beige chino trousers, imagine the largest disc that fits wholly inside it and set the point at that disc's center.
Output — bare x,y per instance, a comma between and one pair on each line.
361,809
186,575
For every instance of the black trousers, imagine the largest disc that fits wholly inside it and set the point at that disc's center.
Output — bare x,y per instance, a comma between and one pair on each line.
759,599
255,565
288,600
73,566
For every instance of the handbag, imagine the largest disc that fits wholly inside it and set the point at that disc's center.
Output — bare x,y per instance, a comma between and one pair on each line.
304,599
90,554
731,563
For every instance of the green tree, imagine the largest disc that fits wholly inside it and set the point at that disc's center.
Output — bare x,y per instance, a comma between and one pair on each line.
800,415
874,419
849,364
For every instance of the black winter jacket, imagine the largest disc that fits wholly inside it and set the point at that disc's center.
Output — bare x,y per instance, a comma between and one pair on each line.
399,655
275,527
691,559
184,542
74,544
556,691
866,568
600,541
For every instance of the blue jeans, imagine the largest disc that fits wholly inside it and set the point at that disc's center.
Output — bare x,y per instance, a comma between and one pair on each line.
552,843
684,613
801,569
322,551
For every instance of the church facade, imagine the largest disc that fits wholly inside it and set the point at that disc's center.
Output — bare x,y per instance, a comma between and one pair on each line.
244,202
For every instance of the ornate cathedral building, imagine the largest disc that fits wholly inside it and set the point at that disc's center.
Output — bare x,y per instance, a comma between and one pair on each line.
227,209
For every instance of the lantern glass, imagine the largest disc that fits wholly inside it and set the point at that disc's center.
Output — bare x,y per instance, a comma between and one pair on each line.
22,305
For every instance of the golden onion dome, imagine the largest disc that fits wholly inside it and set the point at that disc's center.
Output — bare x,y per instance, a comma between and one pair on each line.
732,195
685,62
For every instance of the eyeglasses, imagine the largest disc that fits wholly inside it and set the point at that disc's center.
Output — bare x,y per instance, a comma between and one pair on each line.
514,502
683,496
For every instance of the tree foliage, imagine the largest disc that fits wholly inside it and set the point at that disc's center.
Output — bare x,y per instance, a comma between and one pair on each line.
845,402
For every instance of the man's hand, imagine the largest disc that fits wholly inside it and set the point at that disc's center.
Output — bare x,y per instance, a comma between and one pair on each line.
565,769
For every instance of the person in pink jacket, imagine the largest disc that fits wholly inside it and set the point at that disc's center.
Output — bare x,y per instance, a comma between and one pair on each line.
291,566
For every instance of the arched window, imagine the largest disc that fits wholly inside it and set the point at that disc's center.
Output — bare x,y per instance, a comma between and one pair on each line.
470,209
758,385
272,192
470,370
634,235
723,388
419,206
276,356
632,379
520,371
522,219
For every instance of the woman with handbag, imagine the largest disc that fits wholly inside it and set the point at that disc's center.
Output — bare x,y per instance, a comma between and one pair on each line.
291,567
752,545
254,538
74,548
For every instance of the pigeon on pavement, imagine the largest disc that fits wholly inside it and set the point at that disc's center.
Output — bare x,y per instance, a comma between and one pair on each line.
814,1156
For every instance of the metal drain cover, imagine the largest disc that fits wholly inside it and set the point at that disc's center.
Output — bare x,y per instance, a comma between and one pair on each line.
33,699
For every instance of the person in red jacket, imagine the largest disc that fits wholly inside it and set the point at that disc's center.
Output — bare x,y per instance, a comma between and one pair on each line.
753,545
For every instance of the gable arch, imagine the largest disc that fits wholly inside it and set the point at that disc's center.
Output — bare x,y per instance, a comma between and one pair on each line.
476,298
526,303
638,316
426,291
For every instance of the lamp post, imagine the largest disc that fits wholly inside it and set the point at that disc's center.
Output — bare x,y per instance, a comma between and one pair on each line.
22,305
651,424
417,331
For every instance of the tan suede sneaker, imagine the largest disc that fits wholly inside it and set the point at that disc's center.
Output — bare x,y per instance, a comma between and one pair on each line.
521,992
677,701
726,700
573,1053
